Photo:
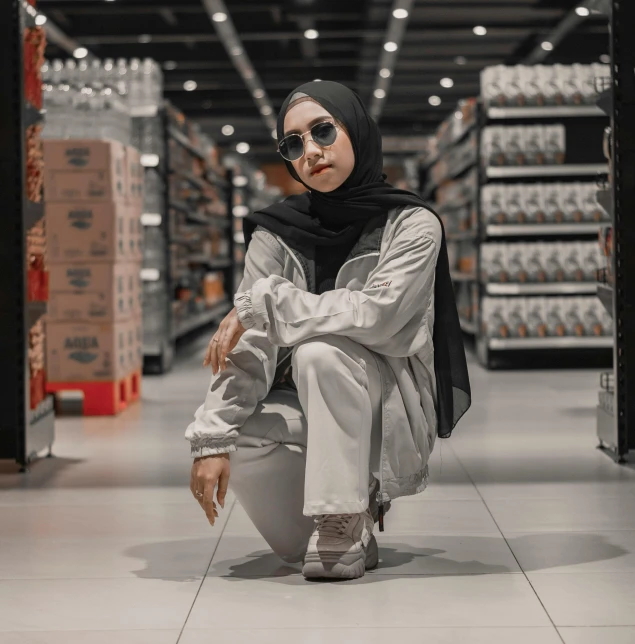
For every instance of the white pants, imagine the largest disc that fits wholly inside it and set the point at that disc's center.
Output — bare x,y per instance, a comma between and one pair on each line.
311,452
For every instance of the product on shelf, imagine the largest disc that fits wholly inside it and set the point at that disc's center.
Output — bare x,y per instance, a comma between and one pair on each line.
544,317
34,163
507,145
85,170
454,161
37,369
87,352
537,262
541,203
94,193
95,99
539,85
34,41
605,239
37,271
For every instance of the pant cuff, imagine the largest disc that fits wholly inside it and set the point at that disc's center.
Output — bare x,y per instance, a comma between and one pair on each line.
351,507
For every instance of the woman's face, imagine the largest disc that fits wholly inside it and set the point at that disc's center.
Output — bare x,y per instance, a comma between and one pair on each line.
322,169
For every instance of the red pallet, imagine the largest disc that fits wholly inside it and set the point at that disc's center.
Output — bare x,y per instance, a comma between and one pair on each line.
103,398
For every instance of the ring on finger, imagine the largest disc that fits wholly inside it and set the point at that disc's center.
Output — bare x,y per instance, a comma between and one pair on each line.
199,494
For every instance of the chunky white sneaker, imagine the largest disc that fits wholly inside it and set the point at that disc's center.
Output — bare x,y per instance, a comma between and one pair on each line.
342,546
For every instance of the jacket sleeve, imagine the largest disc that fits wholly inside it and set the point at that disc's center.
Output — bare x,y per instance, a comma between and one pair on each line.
234,393
389,315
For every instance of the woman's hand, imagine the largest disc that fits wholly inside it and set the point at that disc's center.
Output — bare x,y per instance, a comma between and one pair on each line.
205,473
223,342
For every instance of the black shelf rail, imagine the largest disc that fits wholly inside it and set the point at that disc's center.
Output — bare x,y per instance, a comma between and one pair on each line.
623,163
23,432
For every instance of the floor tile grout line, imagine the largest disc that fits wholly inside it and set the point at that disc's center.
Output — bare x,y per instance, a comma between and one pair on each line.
198,592
469,476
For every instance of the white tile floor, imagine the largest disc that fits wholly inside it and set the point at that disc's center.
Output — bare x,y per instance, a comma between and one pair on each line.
526,534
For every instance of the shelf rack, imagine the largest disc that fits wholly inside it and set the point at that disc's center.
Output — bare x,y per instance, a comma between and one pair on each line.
24,432
616,431
583,115
159,351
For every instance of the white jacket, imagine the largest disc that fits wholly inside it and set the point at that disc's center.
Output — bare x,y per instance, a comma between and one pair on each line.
383,299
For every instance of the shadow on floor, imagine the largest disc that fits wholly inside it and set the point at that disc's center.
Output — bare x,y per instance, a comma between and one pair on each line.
552,549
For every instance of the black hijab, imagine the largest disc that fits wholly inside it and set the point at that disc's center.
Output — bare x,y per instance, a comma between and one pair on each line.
314,220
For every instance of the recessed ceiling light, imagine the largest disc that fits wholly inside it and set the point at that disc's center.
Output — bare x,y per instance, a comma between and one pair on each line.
311,34
80,52
479,30
219,16
547,46
169,65
583,12
189,86
259,93
379,93
606,59
460,60
242,148
266,110
145,38
447,83
40,19
400,14
458,115
391,46
317,80
385,72
434,100
110,0
236,51
228,130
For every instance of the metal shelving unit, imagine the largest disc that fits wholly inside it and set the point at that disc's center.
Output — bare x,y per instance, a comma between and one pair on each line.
541,230
555,288
616,408
24,432
159,353
543,112
546,171
470,282
519,344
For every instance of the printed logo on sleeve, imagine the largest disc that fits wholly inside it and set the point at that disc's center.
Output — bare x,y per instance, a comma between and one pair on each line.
382,285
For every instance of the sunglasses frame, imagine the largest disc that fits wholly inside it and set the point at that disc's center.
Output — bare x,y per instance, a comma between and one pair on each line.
312,139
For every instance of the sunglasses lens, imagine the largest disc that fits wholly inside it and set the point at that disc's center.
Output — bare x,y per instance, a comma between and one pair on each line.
324,133
292,147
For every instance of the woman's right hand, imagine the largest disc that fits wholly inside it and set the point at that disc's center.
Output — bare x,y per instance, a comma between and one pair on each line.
206,472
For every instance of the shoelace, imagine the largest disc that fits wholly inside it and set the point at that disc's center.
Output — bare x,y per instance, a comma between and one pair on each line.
333,525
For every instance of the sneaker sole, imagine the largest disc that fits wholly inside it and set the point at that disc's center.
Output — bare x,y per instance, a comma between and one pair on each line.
350,566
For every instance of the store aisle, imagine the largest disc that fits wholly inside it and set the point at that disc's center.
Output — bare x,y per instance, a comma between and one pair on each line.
526,534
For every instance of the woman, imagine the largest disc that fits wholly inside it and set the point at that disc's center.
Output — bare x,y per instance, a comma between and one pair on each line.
343,359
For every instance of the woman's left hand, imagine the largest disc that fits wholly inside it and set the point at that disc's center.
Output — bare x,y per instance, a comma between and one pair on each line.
223,342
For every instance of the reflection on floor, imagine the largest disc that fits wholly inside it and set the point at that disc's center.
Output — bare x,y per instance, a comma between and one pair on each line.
526,534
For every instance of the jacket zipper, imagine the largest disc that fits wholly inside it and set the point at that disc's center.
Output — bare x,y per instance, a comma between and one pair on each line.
298,263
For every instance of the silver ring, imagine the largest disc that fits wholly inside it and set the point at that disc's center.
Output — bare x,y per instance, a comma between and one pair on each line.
214,340
199,494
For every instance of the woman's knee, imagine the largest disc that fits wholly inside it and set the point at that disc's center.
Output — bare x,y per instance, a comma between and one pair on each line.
321,352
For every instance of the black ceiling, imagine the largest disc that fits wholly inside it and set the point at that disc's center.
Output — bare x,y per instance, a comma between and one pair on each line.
352,33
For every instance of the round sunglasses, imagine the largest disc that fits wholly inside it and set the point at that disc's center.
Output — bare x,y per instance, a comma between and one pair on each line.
291,147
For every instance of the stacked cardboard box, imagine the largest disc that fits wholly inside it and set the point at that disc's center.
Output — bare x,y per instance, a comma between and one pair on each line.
94,198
